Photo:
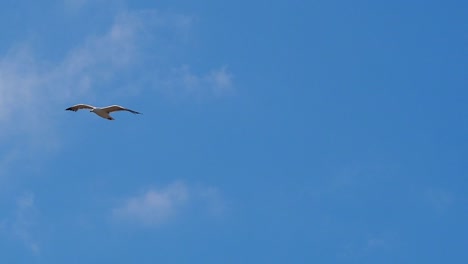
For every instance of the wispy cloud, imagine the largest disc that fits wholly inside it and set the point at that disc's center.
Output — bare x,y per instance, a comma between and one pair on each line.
24,222
439,199
135,45
31,92
127,59
154,207
183,81
158,206
130,58
87,68
21,224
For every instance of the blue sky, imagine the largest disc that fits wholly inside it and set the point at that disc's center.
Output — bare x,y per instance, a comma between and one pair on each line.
272,132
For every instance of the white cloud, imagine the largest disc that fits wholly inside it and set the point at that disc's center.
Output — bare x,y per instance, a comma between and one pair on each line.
98,60
221,81
156,207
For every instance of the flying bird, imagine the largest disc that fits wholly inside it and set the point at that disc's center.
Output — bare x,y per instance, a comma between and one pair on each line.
101,111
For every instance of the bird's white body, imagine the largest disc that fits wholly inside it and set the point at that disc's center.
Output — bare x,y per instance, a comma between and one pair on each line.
103,112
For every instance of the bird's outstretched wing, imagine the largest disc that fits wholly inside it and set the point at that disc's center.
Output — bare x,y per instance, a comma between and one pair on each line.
114,108
79,106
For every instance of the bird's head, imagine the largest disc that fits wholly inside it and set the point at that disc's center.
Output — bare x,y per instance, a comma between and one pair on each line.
92,110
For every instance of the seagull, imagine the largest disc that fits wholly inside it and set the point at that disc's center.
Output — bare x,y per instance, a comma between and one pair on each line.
101,111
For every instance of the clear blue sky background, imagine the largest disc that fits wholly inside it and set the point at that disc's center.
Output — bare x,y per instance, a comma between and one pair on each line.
272,132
